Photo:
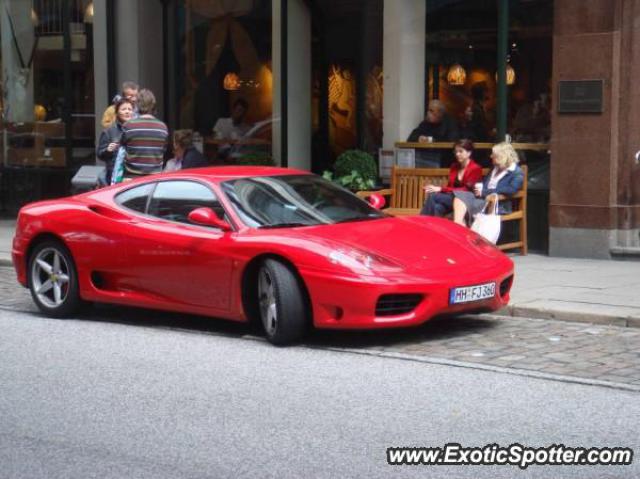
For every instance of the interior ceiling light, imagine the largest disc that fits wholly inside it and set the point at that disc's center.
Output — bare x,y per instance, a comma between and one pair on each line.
231,81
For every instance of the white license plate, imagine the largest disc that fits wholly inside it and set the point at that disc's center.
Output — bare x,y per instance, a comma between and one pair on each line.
472,293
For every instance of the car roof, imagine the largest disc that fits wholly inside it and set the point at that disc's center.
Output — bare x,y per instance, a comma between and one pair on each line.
214,174
221,173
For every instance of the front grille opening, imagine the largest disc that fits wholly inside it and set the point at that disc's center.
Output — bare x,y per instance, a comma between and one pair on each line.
394,304
505,286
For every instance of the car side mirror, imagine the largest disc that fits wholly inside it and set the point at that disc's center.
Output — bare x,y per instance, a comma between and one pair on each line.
376,201
207,217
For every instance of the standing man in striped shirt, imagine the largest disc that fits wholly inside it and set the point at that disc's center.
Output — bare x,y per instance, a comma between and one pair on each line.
144,139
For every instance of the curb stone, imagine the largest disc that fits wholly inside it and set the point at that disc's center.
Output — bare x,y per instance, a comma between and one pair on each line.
492,368
568,316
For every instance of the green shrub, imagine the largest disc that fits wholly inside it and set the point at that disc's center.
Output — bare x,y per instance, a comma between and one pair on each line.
355,170
354,181
358,161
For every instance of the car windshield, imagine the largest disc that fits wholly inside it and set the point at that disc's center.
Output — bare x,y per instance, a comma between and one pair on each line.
294,200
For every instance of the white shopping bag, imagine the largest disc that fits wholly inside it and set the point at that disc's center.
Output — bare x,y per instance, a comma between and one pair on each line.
487,225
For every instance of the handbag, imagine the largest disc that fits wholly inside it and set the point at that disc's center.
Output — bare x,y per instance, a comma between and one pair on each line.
487,225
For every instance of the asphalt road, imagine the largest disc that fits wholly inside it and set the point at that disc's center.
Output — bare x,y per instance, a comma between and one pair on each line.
135,399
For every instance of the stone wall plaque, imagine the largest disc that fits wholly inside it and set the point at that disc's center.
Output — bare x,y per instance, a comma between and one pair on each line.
580,96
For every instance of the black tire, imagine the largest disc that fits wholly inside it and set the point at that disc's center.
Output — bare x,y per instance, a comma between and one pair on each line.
53,280
282,305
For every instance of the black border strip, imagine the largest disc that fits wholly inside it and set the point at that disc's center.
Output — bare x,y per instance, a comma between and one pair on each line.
166,98
284,66
67,79
112,87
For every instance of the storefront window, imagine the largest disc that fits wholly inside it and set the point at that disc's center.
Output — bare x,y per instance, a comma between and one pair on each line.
530,51
347,78
462,62
223,82
47,103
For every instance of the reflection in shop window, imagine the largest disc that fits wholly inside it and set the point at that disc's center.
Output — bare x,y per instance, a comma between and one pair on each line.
225,52
464,34
34,108
347,74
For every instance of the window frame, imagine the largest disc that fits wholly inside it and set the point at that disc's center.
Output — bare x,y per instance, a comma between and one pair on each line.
154,185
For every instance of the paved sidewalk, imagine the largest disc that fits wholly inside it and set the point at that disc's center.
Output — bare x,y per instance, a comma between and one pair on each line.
592,291
595,291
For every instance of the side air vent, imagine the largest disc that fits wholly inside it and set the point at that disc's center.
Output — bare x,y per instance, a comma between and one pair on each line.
505,286
394,304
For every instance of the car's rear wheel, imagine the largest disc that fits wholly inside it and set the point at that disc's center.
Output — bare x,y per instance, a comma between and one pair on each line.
53,279
281,302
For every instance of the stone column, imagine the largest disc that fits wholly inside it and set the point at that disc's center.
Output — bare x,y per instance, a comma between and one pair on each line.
276,67
595,194
100,85
298,91
17,79
403,64
299,84
139,46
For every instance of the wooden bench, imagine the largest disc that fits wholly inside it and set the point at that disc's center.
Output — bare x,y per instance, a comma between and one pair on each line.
407,196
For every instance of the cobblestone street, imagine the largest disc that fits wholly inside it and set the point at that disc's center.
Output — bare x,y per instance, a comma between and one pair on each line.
577,350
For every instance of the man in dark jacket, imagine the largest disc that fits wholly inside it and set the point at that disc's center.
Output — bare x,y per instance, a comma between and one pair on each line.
437,126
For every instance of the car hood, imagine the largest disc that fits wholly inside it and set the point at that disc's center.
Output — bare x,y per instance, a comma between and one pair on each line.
413,242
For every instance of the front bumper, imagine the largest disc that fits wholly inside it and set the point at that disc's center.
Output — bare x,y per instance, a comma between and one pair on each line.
350,303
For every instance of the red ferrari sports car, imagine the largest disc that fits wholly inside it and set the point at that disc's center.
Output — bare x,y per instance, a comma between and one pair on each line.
280,246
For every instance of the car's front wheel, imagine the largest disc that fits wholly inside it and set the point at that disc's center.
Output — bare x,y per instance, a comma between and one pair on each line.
281,299
53,279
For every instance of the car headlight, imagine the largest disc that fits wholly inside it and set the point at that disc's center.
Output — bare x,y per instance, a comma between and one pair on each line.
361,261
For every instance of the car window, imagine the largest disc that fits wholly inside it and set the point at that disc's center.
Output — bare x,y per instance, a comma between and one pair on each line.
135,198
174,200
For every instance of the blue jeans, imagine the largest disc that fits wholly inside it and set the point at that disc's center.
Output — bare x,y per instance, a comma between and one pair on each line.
438,204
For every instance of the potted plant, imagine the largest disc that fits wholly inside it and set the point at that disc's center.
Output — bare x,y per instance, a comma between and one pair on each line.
355,170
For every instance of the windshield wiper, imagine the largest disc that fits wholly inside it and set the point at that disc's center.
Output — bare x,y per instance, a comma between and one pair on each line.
283,225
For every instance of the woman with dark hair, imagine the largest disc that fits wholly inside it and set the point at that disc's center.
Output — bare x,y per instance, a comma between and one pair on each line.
109,141
463,174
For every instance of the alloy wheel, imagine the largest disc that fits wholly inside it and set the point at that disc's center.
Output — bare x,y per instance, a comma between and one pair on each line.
50,276
267,300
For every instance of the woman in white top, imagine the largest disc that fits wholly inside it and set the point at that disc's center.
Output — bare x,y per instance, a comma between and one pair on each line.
505,179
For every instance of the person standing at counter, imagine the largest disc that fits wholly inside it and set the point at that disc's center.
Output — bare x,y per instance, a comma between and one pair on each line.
438,125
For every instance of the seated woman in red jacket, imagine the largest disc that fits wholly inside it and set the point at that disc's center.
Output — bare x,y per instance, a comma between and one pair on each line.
463,174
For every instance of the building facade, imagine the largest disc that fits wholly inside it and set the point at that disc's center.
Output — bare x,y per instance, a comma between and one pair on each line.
319,77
